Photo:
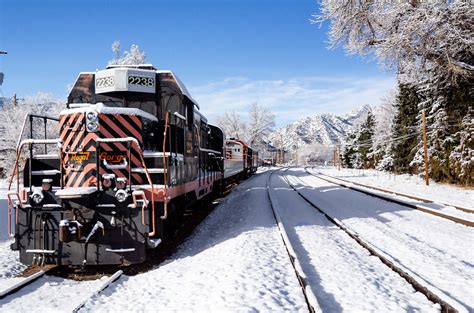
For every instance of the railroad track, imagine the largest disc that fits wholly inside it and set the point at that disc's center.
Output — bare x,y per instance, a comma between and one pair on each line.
350,185
41,275
457,207
446,306
310,297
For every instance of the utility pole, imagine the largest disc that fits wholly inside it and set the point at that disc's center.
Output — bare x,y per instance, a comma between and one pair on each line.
425,150
338,158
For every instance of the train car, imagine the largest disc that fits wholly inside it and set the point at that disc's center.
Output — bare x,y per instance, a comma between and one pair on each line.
132,151
236,159
254,162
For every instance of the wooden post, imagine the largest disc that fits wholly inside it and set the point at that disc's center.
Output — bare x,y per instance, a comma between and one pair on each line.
425,148
334,156
338,158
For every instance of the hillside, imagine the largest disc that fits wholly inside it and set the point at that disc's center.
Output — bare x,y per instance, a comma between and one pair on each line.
325,129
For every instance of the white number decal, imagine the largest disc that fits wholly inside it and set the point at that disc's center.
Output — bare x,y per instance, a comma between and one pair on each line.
141,81
104,82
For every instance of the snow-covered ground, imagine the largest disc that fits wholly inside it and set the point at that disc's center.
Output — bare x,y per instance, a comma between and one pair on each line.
408,184
439,251
343,275
236,261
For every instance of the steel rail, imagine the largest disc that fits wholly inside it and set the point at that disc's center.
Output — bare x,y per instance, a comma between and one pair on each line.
467,210
397,201
445,306
25,282
21,284
310,297
106,284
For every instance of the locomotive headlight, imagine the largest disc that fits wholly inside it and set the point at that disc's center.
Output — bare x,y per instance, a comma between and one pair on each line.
37,196
121,195
92,127
92,116
92,121
121,182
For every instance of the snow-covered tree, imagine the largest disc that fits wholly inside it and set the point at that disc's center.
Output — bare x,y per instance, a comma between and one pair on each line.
384,116
429,43
261,123
132,57
358,150
448,107
12,118
405,129
461,158
232,124
315,153
410,36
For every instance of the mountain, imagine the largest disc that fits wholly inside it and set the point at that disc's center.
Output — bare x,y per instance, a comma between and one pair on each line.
325,129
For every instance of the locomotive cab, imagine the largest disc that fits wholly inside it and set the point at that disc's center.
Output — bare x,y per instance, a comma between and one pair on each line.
132,147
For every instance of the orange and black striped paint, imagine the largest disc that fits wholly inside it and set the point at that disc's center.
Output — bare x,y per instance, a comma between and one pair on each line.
77,139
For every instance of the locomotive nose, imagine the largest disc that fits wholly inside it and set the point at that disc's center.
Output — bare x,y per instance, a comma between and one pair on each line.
85,160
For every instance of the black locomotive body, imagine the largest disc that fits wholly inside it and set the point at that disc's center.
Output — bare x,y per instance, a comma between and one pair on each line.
132,151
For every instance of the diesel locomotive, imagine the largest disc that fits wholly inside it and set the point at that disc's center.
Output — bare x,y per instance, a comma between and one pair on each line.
132,152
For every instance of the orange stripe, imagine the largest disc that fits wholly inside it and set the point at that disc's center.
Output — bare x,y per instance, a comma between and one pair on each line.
114,126
129,127
70,177
88,168
69,118
135,176
135,161
72,133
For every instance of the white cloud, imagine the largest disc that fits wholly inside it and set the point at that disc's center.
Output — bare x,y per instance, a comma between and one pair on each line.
291,99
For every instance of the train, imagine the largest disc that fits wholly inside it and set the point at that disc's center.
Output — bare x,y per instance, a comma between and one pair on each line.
132,152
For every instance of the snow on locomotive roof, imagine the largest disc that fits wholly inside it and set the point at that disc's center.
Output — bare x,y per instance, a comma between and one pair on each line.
101,108
137,66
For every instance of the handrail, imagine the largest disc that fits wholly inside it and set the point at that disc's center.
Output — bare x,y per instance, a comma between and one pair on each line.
165,213
135,141
16,169
24,124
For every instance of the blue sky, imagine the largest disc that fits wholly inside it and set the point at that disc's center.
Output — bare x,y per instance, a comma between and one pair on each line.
229,53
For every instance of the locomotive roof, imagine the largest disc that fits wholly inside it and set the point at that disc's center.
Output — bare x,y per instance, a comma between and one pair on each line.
150,67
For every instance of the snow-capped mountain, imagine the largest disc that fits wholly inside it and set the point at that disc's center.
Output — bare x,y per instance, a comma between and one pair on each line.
325,129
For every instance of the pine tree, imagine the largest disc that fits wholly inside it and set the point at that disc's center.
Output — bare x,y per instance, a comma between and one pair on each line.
404,128
349,151
450,126
365,141
358,151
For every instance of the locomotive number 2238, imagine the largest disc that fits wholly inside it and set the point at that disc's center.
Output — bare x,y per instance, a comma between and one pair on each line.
142,81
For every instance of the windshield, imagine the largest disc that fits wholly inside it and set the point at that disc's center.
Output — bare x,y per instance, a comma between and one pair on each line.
138,100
